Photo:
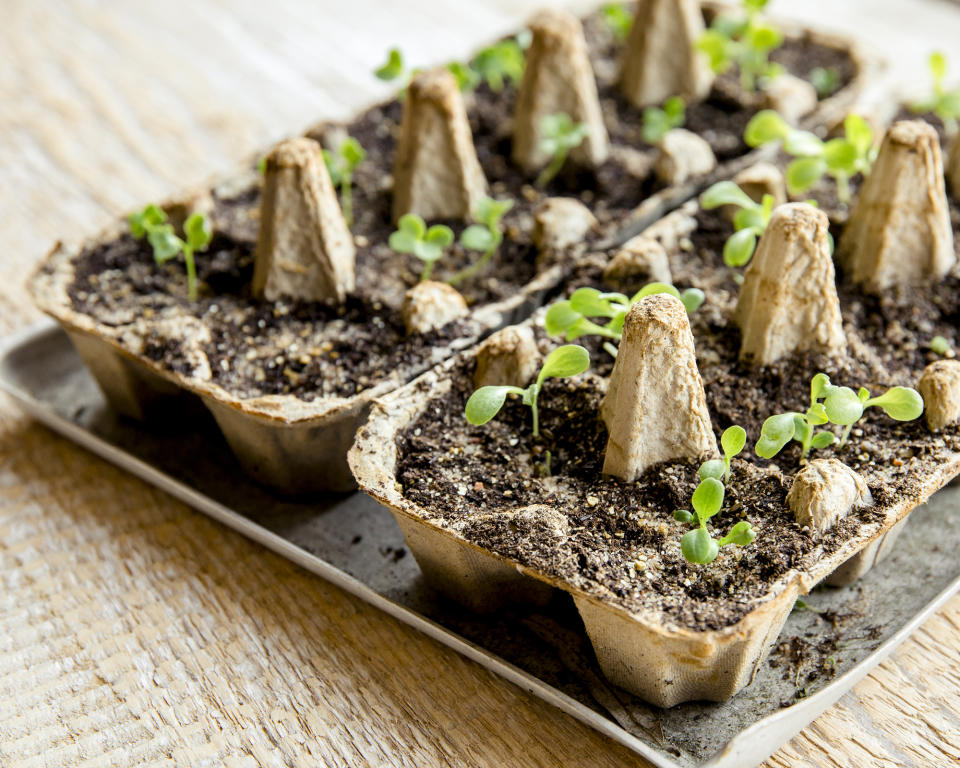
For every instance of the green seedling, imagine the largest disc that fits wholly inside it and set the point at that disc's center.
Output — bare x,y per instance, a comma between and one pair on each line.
943,103
845,407
940,346
746,42
825,79
841,406
749,222
484,236
427,244
486,402
341,164
466,76
841,157
732,442
618,19
657,121
558,135
153,224
570,317
501,63
393,68
698,546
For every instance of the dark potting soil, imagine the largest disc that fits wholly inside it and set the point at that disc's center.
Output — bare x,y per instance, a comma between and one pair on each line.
621,540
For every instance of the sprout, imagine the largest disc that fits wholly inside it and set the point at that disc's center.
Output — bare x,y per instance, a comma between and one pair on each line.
466,76
394,67
845,407
841,406
943,103
501,62
395,70
558,135
413,236
341,164
825,79
745,42
732,442
486,402
750,222
656,121
940,346
486,235
569,317
152,223
698,546
618,19
840,158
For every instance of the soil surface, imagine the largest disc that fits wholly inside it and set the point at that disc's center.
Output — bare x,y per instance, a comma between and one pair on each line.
619,539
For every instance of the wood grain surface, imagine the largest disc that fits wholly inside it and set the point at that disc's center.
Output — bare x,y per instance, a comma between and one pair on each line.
135,631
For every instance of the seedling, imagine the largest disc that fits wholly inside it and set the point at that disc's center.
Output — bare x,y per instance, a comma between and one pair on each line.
341,164
558,135
657,121
570,317
501,63
746,42
943,103
840,158
618,19
427,244
780,429
698,546
394,70
486,402
750,222
485,235
467,77
732,442
845,407
940,346
825,79
841,406
153,224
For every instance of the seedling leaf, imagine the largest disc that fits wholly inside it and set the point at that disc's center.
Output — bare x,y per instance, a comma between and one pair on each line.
486,403
733,440
568,360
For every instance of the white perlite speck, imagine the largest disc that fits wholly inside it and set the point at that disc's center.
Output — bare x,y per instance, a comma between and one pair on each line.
824,492
655,408
660,59
899,230
304,248
436,172
557,78
788,301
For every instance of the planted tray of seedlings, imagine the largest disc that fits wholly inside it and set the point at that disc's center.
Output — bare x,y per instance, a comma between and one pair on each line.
353,259
829,641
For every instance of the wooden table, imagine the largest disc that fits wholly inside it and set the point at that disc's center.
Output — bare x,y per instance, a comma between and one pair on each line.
135,631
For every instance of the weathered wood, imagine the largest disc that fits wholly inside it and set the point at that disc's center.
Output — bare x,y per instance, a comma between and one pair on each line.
134,631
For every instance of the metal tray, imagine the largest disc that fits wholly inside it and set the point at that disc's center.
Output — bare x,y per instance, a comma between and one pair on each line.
354,543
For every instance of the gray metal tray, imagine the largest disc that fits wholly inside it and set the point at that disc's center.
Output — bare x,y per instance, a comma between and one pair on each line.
354,543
